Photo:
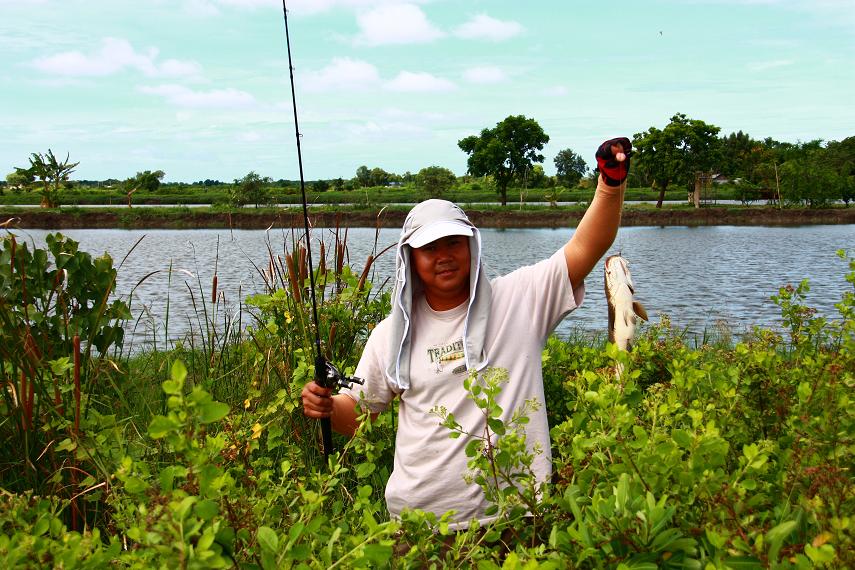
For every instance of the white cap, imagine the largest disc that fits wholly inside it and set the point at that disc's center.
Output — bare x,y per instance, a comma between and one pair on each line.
434,219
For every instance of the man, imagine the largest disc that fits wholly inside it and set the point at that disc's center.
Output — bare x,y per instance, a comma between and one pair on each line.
447,319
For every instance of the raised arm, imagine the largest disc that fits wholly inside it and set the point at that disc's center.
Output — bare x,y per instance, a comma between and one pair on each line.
597,229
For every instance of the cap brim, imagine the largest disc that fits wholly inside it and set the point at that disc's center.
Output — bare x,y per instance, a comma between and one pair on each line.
436,230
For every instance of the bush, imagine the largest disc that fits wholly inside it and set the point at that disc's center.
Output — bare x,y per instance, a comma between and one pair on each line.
722,455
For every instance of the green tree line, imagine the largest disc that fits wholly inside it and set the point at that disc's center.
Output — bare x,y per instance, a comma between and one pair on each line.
684,154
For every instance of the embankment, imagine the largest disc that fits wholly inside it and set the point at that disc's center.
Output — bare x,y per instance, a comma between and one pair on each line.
193,218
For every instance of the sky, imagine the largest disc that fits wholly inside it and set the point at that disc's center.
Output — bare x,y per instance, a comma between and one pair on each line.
200,88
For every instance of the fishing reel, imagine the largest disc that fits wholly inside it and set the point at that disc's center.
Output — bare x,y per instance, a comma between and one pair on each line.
328,376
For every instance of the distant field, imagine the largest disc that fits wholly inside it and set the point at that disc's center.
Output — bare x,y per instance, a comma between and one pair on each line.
471,193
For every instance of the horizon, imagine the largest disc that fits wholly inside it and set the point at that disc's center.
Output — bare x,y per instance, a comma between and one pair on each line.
200,89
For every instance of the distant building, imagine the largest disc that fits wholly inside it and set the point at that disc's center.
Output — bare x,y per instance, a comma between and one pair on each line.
722,179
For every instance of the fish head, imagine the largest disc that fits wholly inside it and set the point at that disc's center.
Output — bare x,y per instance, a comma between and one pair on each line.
617,272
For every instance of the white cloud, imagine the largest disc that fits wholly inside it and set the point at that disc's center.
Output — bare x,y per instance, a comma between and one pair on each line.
388,131
115,55
395,24
301,7
483,27
485,74
250,136
201,8
556,91
765,65
343,73
419,82
181,96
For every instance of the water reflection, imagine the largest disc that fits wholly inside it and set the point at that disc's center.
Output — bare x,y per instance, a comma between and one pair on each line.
700,277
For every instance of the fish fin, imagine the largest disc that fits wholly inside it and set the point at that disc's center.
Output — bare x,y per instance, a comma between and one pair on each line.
638,308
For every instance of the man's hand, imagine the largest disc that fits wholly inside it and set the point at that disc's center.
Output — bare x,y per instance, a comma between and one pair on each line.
317,401
613,160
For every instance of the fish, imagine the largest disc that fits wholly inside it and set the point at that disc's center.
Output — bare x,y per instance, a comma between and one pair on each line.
624,311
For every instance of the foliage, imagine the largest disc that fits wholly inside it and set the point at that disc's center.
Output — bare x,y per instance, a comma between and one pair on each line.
376,176
500,461
435,181
841,157
506,151
723,455
674,154
58,326
20,180
570,167
51,172
147,181
741,450
251,189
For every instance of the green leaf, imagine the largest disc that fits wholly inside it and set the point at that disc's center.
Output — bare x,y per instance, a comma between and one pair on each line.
167,479
267,538
172,387
134,485
41,526
682,438
497,425
821,555
777,535
178,372
161,425
365,469
212,411
299,552
207,509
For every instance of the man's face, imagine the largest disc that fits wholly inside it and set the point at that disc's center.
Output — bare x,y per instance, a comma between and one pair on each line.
443,266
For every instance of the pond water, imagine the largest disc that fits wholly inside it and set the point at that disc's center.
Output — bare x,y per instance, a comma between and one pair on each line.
703,278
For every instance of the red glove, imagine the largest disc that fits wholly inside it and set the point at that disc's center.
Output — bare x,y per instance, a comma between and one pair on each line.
614,171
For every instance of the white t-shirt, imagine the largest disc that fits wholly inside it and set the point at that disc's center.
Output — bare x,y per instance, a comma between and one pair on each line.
429,466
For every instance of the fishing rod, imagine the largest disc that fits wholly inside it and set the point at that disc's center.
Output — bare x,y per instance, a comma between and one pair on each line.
326,374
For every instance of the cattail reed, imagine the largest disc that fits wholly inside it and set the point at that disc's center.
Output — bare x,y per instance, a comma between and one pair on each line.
292,277
333,330
214,289
339,257
364,276
303,266
322,262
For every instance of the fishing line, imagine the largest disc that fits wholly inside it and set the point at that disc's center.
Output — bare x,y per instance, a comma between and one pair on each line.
326,374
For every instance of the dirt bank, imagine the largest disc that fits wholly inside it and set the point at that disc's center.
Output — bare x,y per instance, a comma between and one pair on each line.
145,218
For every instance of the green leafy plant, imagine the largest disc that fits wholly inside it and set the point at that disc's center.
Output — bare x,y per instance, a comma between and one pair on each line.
58,326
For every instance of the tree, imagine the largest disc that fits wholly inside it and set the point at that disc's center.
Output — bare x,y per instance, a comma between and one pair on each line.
363,176
570,167
380,177
251,189
841,156
674,154
506,151
51,173
810,180
534,177
146,181
434,181
20,180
